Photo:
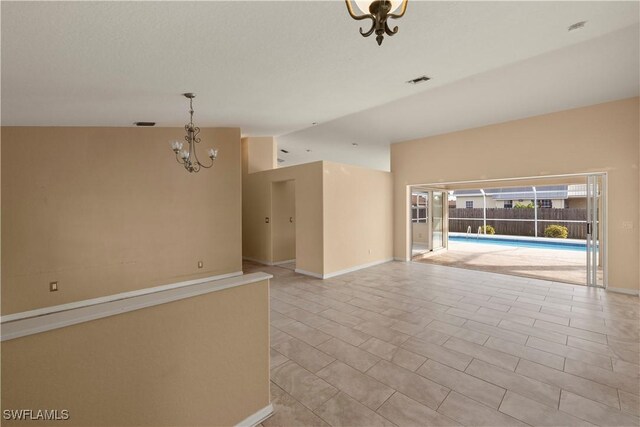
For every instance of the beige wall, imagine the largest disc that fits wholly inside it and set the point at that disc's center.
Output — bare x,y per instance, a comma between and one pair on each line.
108,210
599,138
283,220
256,206
358,216
259,153
200,361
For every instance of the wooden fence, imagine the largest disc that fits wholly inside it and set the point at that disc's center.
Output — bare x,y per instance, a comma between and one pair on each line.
519,222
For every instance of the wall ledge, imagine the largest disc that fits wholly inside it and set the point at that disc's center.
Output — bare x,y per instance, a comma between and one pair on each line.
36,321
109,298
257,418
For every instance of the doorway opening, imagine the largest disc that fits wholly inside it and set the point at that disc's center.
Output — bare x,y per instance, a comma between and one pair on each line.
283,225
551,228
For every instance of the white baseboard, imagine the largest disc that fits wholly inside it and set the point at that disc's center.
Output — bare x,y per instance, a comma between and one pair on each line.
259,261
257,418
309,273
341,272
355,268
283,262
624,291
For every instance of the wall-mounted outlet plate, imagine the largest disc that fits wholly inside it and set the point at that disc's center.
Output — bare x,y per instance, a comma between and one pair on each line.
200,264
53,286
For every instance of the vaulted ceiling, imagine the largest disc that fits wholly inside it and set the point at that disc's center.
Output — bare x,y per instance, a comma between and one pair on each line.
275,68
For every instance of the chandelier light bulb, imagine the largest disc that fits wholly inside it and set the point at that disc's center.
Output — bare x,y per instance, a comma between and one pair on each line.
378,12
365,5
184,154
213,153
176,146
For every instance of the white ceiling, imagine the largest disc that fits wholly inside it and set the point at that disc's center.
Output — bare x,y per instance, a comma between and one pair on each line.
273,68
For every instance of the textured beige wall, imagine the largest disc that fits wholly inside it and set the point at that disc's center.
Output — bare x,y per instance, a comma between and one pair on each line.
108,210
256,206
283,220
201,361
358,216
261,153
599,138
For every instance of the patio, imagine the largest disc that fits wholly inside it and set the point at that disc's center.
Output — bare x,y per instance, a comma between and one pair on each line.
567,266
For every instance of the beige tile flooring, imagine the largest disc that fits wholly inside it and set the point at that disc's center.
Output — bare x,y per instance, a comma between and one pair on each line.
410,344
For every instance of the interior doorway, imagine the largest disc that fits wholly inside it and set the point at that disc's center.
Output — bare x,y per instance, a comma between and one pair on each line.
552,228
283,224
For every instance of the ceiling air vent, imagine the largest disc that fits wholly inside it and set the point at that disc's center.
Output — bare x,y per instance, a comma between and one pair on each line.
145,124
284,151
577,26
420,79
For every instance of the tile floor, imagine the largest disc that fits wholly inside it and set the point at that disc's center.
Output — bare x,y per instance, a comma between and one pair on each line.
410,344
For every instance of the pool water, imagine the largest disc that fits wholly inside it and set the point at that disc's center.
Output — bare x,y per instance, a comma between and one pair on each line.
568,246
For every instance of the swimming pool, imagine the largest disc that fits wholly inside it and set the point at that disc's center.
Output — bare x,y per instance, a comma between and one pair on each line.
521,243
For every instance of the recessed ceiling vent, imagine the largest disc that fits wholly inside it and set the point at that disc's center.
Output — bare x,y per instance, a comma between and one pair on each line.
284,151
420,79
145,124
577,26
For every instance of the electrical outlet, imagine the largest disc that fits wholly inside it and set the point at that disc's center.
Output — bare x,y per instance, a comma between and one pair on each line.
53,286
369,251
200,264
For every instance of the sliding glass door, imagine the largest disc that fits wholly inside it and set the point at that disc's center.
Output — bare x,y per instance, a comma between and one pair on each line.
437,219
427,220
596,228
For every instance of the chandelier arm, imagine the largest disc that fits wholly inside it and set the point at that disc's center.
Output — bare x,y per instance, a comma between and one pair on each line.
352,13
210,164
389,31
403,9
371,30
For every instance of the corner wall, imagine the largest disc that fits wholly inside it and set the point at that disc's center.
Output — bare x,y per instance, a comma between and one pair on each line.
343,217
256,206
358,217
599,138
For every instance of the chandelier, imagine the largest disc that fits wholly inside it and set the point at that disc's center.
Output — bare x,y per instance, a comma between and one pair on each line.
378,11
188,157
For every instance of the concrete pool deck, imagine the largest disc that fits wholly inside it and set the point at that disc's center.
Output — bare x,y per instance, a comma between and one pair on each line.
557,265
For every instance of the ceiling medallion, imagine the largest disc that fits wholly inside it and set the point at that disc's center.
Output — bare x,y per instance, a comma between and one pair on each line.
378,11
188,158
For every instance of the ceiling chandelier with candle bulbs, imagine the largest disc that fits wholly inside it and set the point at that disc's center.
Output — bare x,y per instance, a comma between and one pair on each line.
188,157
378,11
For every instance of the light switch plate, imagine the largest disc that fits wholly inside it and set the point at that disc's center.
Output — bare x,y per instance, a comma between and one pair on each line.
200,264
53,286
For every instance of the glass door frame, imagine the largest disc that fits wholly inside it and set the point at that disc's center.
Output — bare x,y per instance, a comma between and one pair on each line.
430,218
596,240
